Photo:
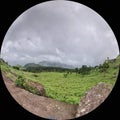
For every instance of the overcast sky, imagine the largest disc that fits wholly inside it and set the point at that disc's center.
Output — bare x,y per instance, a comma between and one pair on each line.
60,31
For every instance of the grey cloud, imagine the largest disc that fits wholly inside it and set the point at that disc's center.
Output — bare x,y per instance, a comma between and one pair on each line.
61,31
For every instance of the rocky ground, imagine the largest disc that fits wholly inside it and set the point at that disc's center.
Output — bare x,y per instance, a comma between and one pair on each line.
39,105
53,109
93,98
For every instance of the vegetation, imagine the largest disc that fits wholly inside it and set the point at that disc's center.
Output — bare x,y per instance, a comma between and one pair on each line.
68,85
21,82
36,68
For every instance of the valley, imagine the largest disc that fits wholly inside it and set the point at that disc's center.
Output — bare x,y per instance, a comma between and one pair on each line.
68,90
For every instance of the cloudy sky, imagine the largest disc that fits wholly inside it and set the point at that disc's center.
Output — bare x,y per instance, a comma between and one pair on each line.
60,31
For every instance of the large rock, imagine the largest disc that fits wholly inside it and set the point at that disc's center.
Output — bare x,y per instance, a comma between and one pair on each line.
38,87
93,98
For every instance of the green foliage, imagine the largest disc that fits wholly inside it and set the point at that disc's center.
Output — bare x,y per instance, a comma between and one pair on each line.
76,70
16,67
20,81
84,70
35,75
24,84
70,89
2,62
65,75
36,68
104,67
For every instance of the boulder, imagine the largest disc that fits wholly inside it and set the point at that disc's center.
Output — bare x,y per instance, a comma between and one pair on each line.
93,98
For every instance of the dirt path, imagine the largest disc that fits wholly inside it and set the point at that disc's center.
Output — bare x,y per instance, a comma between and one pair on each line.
39,105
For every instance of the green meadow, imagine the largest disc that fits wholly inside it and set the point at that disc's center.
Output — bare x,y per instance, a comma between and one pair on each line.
68,89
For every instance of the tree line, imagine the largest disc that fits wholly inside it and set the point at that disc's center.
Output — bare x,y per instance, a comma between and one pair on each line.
84,69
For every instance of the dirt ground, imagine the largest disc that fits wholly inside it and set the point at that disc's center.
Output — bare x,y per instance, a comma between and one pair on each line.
39,105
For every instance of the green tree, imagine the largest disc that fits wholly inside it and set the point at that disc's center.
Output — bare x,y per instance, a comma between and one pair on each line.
76,70
103,68
17,67
85,70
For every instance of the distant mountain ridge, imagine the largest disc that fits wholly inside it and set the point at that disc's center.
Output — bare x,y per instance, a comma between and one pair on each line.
48,64
54,64
31,65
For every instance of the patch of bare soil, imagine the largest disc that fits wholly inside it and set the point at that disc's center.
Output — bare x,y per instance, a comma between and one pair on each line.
39,105
93,98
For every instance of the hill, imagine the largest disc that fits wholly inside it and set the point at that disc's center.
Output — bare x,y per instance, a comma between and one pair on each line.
55,64
76,88
31,65
62,86
46,66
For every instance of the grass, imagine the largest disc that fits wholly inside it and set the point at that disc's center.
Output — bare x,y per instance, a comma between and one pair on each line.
70,89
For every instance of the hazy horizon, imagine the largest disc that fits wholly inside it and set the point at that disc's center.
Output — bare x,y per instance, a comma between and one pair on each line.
72,66
59,31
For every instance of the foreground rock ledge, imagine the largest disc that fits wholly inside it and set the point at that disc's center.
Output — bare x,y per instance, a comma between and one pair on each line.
93,98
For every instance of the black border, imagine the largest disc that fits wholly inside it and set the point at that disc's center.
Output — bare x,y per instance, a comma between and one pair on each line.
108,9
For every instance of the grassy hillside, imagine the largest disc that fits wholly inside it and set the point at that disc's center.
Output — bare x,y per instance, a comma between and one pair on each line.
69,89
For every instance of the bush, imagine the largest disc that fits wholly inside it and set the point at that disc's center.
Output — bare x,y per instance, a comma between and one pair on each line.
84,70
20,81
27,86
104,67
65,75
35,75
16,67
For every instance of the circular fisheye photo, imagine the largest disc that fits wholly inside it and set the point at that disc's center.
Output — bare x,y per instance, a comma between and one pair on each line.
60,60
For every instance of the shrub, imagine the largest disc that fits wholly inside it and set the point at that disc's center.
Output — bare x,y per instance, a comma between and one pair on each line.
20,81
16,67
29,86
84,70
65,75
35,75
